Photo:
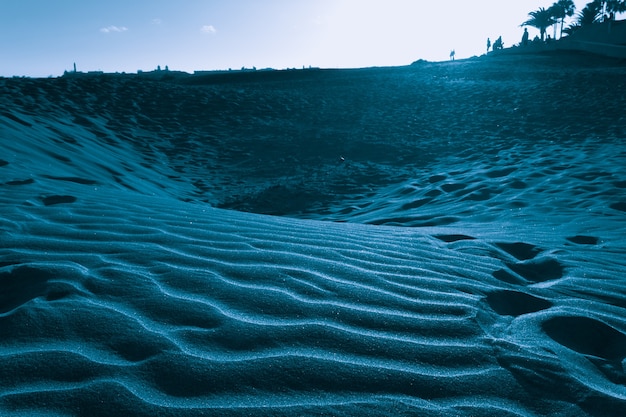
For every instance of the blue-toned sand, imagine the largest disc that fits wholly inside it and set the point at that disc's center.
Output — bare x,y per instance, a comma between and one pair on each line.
441,239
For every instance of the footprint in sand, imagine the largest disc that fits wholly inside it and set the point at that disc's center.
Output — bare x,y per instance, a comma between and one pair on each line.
452,187
505,276
602,344
57,199
583,240
515,303
415,204
520,250
77,180
538,270
621,206
499,173
436,178
453,238
530,267
517,185
20,285
20,182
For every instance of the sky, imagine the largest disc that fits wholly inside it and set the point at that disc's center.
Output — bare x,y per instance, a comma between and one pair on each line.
41,38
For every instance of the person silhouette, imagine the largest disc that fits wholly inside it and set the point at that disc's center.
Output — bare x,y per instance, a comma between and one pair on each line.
525,37
498,44
488,44
452,54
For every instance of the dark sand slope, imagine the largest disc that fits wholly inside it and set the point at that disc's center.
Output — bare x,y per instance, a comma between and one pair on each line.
126,288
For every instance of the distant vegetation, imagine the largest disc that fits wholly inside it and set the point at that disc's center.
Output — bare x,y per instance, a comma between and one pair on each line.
555,15
597,11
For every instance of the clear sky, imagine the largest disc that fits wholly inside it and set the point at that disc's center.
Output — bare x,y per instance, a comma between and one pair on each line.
45,37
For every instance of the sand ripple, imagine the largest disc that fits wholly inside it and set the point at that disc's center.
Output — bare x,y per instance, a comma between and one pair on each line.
125,290
203,309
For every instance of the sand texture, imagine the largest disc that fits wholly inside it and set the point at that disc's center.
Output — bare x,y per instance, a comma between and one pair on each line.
443,239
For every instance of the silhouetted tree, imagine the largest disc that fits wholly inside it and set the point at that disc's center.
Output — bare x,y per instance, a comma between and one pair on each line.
590,14
554,12
541,19
614,7
608,8
560,10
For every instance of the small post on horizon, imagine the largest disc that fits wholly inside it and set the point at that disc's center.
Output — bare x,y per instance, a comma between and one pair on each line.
74,67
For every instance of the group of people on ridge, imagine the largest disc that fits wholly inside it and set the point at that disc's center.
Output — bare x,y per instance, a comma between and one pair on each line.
498,44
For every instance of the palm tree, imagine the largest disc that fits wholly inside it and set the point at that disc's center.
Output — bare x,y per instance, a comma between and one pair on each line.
615,6
554,12
610,7
590,14
560,10
541,19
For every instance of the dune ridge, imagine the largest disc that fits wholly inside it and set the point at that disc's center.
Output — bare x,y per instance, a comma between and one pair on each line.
409,268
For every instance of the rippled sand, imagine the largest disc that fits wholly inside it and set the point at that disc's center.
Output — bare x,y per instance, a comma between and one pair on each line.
436,240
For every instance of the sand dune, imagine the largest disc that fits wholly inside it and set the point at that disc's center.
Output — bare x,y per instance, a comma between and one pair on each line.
446,240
